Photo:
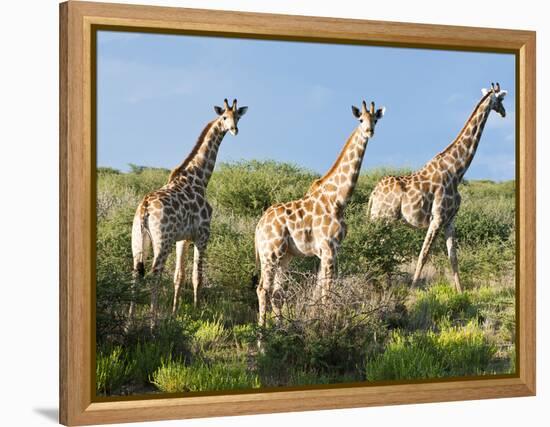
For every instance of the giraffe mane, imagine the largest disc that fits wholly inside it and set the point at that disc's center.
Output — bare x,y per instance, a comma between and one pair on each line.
320,181
176,171
483,98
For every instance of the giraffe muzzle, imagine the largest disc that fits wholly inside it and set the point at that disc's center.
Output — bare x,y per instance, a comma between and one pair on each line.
234,131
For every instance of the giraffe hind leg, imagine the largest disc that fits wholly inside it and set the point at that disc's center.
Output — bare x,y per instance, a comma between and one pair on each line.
179,274
434,227
453,258
158,266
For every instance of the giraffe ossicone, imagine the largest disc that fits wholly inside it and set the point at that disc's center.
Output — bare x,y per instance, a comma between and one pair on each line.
429,197
313,225
178,213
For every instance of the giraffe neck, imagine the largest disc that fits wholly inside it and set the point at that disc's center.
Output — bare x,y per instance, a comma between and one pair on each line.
458,156
202,159
338,183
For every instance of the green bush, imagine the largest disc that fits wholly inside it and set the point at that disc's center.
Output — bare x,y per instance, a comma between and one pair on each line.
493,262
114,276
329,338
377,247
249,188
232,246
475,228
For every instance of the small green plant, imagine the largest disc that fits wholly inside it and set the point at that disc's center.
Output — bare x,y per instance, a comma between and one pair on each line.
244,335
455,351
209,335
112,370
405,357
146,358
176,377
464,350
438,303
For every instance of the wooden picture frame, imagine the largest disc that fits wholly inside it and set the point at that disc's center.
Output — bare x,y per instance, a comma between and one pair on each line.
78,20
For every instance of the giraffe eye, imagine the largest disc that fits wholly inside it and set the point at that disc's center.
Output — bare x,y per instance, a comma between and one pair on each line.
360,120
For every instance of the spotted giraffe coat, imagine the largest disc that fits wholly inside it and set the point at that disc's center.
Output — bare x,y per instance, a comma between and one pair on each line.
429,198
313,225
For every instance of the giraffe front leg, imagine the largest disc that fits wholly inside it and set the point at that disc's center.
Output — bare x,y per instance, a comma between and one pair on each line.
326,271
198,272
453,258
266,281
278,292
434,227
179,274
198,265
278,295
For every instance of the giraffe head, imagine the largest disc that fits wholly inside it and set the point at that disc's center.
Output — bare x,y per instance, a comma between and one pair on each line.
496,95
368,117
230,116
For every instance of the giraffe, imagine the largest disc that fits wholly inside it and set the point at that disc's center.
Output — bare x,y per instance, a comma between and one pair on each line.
429,197
179,212
313,225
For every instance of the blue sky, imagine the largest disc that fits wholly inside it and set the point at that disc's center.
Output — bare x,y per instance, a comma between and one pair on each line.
157,92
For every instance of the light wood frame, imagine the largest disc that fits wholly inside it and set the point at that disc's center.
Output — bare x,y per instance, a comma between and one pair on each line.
78,403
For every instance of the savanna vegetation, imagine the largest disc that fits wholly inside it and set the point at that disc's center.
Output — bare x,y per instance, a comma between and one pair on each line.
374,327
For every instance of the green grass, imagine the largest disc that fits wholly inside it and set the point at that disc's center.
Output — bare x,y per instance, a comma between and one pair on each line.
454,351
176,377
112,370
441,302
209,335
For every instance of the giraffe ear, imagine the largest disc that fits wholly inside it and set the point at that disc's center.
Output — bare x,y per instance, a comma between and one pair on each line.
219,110
484,91
242,111
380,112
502,94
355,111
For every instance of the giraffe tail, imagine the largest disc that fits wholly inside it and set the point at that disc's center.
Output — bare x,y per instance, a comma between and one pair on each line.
255,277
140,268
140,233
